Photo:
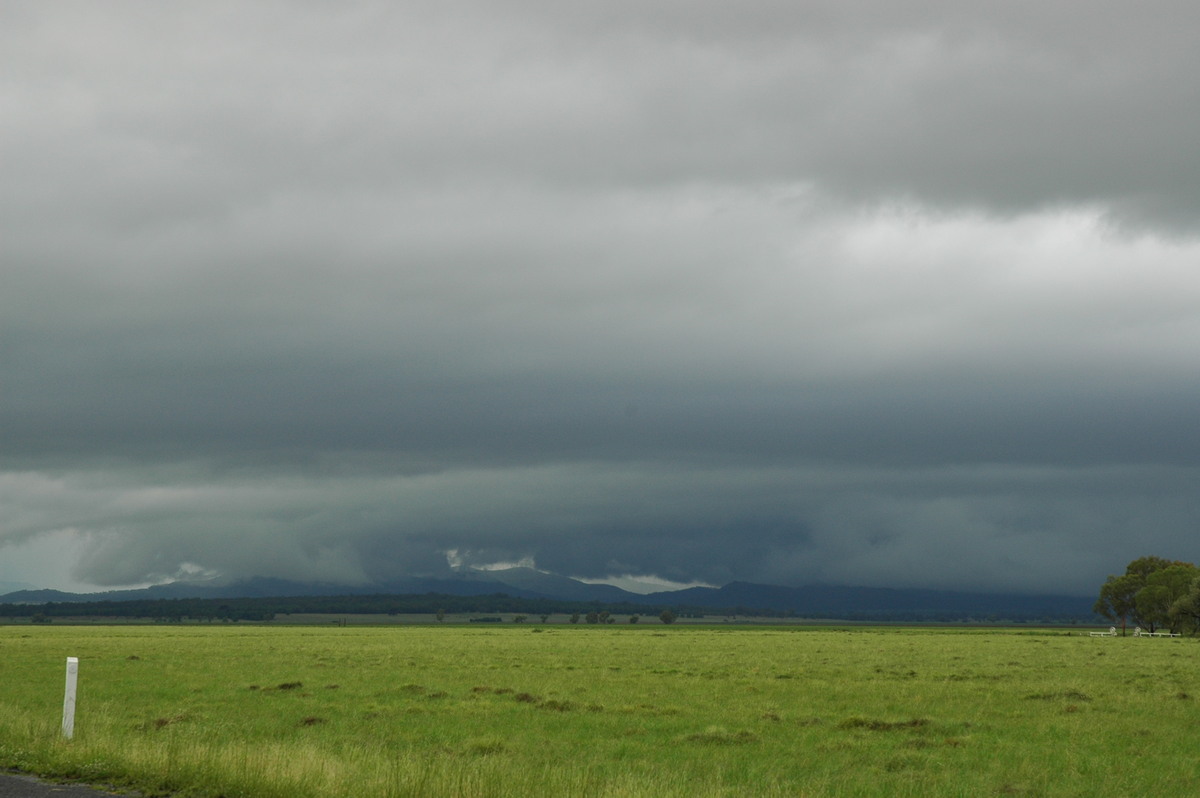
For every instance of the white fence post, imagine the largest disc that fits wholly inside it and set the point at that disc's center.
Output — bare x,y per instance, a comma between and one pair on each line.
68,727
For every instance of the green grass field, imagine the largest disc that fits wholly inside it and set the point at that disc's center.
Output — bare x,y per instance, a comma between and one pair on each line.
647,710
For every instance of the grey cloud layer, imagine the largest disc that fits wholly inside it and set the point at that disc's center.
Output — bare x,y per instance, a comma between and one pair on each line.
828,291
205,111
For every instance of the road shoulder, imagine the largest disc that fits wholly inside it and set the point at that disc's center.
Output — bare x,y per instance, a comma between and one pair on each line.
19,785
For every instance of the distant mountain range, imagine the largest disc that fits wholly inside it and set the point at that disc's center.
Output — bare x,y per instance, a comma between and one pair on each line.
815,601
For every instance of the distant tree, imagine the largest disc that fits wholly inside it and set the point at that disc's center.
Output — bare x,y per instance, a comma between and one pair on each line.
441,615
666,616
1185,612
39,617
1116,600
605,616
1146,592
633,619
592,617
519,618
1144,566
1156,601
545,617
574,617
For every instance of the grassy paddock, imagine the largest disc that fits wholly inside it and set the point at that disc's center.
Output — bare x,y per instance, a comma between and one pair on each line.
604,711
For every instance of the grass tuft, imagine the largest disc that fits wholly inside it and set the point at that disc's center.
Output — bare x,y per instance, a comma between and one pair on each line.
486,747
882,725
556,706
1065,695
717,735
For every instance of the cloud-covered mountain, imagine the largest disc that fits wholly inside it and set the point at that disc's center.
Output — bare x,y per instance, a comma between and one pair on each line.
738,597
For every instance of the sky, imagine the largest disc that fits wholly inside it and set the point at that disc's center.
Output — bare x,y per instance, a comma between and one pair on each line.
860,293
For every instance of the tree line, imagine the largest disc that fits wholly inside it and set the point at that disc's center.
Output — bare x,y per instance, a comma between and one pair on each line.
267,608
176,610
1154,594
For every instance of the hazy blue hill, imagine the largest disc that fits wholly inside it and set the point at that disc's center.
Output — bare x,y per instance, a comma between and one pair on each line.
823,600
474,583
38,597
815,601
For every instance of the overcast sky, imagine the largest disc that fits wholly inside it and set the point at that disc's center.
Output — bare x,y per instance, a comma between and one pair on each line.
867,293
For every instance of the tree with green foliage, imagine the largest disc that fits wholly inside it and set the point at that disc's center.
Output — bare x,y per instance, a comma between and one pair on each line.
1145,593
1144,566
666,616
1185,612
1163,589
1116,600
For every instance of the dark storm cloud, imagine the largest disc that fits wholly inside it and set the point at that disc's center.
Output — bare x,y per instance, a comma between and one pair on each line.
847,292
